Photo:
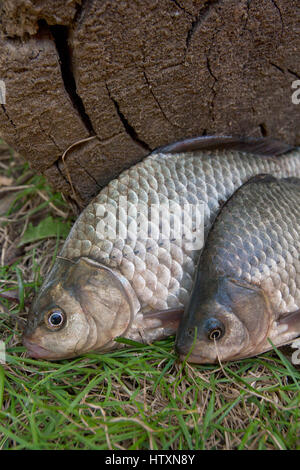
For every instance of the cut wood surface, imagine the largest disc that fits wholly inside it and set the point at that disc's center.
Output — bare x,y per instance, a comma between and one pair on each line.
140,74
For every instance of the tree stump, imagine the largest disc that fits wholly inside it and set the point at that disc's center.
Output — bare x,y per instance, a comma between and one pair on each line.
139,74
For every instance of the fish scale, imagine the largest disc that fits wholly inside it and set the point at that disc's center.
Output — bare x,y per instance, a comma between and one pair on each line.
162,274
268,259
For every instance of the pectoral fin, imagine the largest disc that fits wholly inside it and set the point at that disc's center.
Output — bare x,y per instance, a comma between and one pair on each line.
290,323
156,325
168,319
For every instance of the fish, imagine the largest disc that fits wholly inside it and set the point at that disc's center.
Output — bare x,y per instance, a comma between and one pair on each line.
246,295
105,285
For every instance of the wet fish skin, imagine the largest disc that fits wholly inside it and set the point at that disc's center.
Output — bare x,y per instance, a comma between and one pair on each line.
247,286
155,276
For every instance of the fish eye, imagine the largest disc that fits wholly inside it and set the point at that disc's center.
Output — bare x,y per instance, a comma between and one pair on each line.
216,334
55,319
214,329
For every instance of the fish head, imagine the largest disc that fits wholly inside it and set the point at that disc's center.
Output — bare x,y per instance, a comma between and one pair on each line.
228,319
82,306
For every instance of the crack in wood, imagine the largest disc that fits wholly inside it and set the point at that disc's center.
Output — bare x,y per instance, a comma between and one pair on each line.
128,128
56,164
49,136
203,13
281,70
81,9
294,73
7,116
213,88
157,102
182,8
247,17
88,173
277,67
280,15
210,70
263,129
213,76
61,37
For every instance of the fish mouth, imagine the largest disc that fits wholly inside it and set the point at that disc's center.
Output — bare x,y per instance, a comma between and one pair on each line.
194,356
197,359
36,351
190,355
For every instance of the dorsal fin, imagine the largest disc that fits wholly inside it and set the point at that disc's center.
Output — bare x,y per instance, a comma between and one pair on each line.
266,178
260,178
292,179
258,146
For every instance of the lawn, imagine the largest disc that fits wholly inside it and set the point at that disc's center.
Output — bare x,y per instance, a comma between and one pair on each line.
139,397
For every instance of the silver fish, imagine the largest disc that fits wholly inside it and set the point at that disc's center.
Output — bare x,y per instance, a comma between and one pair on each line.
247,288
136,287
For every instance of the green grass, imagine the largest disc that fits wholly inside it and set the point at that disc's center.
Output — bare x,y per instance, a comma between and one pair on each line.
142,398
138,397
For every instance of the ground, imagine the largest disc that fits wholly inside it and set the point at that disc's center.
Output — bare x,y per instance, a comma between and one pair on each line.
139,397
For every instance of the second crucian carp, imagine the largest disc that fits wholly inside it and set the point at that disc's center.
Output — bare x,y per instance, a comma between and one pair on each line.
247,287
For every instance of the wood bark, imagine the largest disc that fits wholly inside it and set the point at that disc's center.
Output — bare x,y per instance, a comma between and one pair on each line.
139,74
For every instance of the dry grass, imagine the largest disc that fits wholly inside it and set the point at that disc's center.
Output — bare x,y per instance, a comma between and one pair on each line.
140,397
